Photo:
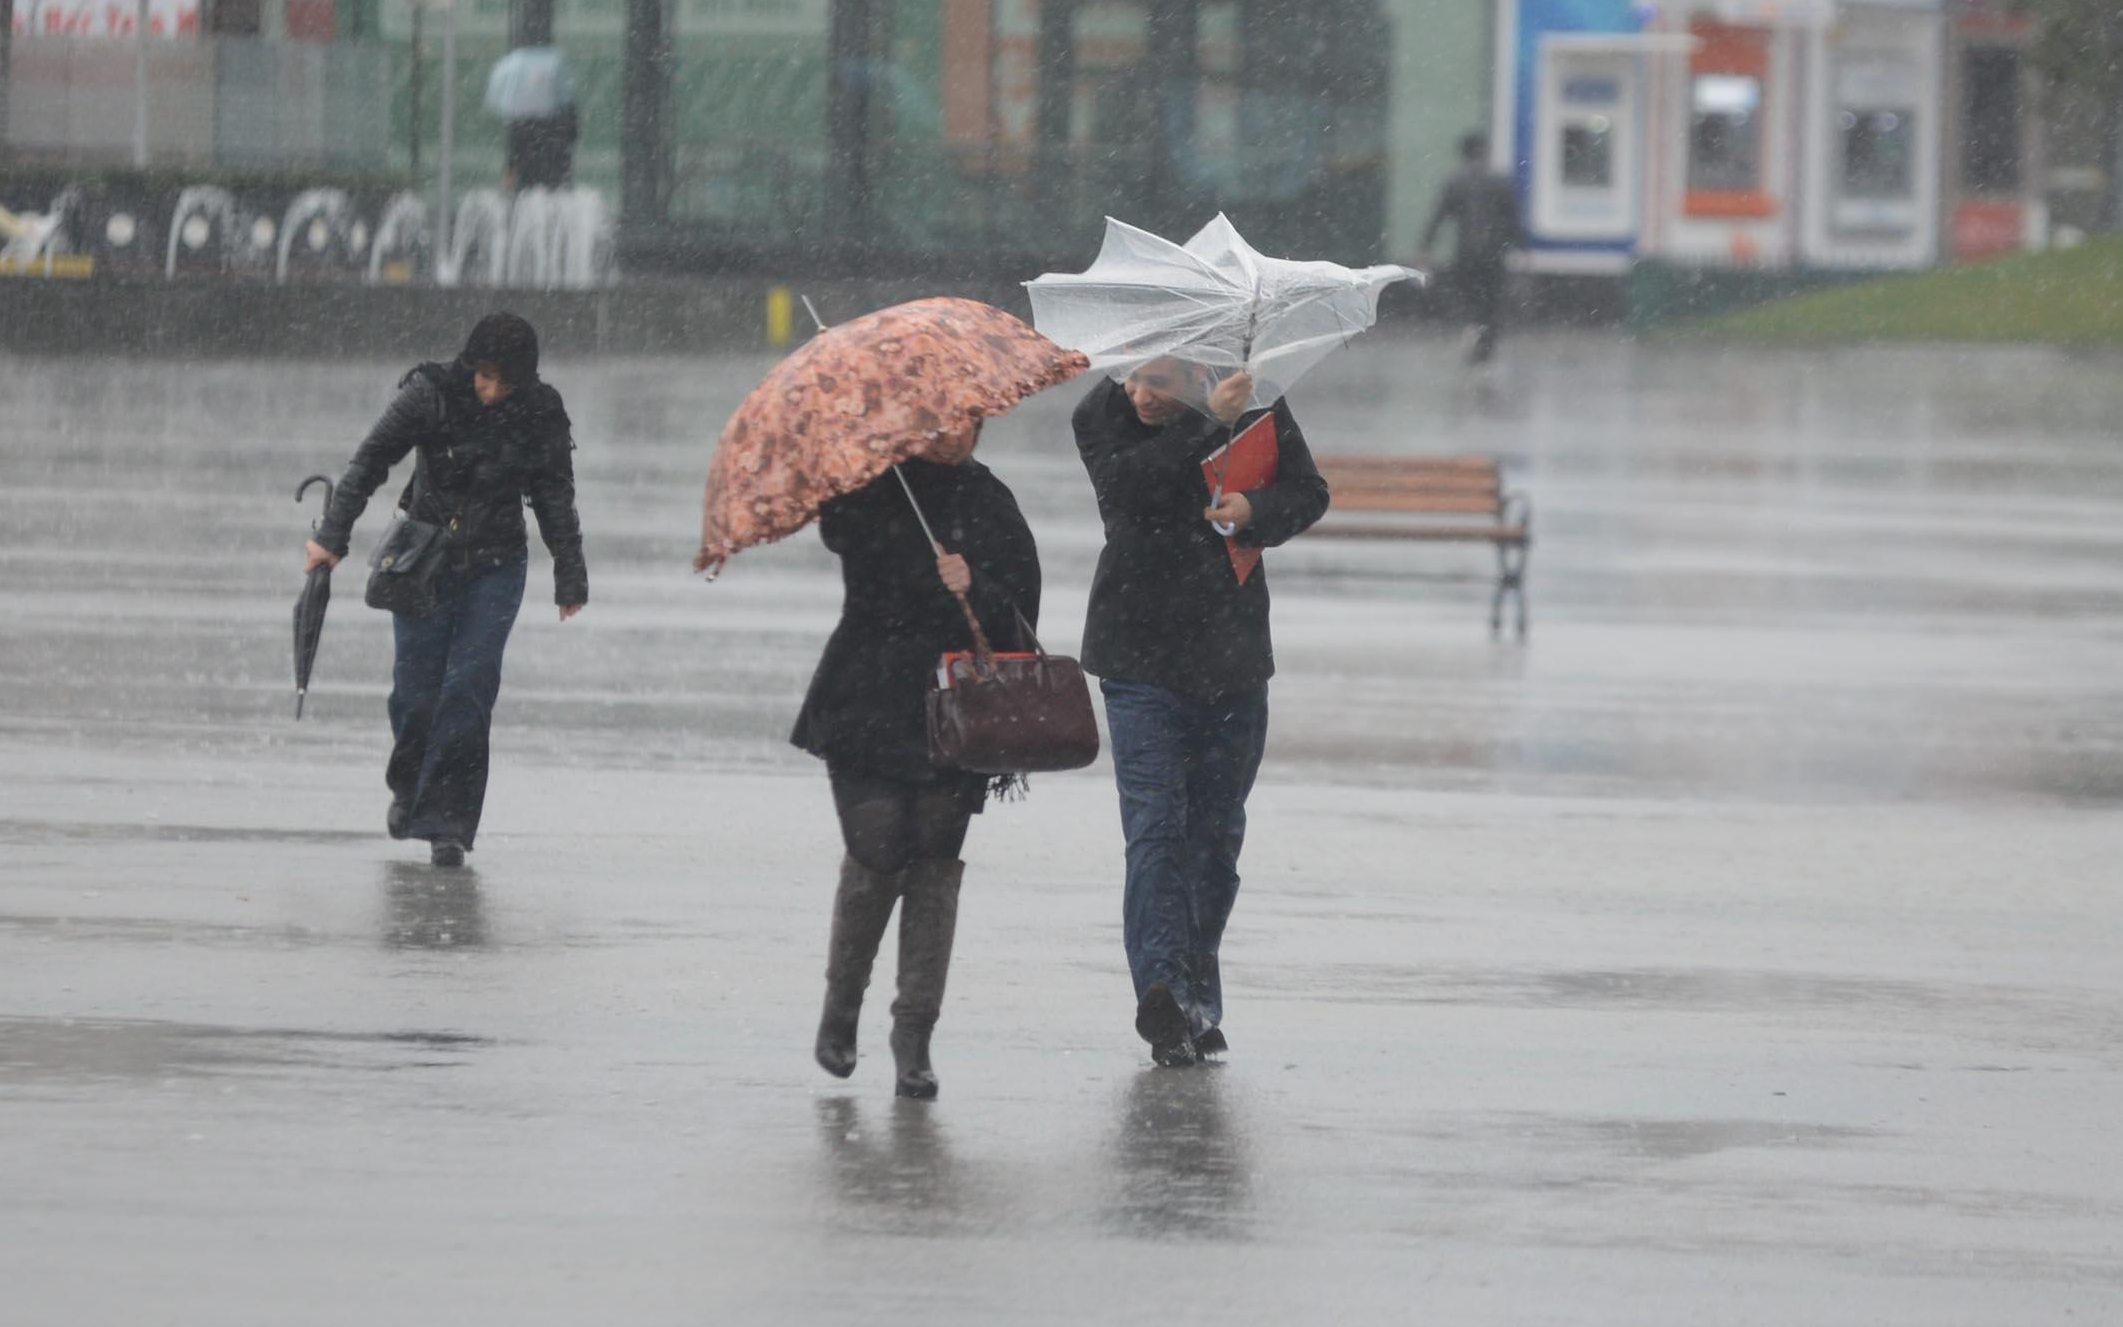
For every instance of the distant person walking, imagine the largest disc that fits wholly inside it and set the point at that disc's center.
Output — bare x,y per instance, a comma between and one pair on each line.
1181,648
489,437
541,150
902,820
1483,208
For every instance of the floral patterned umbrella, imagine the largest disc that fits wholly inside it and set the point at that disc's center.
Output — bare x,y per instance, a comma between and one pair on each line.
914,380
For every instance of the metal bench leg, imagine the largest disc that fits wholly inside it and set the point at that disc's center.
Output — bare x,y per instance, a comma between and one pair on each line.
1510,580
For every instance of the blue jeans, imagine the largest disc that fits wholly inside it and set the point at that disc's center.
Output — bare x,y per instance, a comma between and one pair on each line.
443,687
1185,767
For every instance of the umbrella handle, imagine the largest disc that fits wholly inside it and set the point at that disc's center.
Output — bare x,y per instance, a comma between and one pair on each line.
304,487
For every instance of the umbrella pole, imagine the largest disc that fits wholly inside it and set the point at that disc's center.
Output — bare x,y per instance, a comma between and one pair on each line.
981,648
928,533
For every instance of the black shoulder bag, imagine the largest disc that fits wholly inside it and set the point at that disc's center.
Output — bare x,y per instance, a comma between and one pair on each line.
407,560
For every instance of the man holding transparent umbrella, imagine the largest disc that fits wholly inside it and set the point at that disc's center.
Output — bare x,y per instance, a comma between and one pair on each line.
1198,342
1181,647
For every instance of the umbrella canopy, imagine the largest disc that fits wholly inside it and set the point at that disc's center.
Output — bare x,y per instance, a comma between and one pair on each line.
316,596
913,380
530,82
1214,301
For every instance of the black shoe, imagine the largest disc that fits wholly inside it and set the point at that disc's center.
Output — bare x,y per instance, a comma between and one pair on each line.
395,818
1211,1043
1160,1021
446,852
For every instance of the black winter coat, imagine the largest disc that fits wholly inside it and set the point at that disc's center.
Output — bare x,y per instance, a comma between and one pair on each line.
866,709
477,468
1165,606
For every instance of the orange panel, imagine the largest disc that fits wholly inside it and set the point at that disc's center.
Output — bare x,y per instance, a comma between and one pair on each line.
968,72
1724,49
1729,203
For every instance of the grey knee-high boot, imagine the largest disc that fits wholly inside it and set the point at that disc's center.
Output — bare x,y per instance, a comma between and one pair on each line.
861,910
928,919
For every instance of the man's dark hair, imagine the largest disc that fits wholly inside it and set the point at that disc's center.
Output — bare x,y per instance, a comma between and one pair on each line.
1473,147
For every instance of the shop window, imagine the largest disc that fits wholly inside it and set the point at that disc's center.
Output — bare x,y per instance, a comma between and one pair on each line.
1725,134
1879,152
1991,117
1588,153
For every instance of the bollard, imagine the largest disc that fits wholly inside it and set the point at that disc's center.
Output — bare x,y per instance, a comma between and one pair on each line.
781,316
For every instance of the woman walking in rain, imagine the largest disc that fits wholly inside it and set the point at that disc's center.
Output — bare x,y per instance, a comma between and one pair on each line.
903,820
490,436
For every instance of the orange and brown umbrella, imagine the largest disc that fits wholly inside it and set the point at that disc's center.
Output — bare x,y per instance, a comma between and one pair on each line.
914,380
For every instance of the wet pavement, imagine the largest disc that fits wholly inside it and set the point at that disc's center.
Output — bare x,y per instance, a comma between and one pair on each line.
1741,949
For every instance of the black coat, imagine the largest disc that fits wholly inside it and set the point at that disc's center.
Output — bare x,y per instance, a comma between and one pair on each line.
477,468
866,709
1484,211
1166,608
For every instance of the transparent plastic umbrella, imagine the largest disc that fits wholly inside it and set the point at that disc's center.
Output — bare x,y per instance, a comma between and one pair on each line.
530,82
1214,301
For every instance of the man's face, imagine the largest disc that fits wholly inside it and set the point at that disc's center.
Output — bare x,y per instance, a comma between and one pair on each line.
1154,390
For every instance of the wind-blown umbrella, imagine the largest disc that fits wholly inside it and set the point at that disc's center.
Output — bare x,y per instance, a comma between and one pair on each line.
530,82
316,596
1214,300
909,381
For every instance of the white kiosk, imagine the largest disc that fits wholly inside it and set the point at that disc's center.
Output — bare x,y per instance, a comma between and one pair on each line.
1764,133
1873,128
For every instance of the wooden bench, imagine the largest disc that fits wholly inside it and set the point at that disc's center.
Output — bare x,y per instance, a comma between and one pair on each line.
1459,499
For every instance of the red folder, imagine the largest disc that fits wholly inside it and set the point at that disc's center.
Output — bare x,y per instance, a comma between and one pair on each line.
1245,463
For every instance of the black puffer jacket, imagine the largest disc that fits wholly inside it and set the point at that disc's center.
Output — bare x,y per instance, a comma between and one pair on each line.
866,710
477,468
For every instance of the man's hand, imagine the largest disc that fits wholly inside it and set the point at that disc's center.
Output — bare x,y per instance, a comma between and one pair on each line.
316,555
1233,510
1228,401
957,576
569,610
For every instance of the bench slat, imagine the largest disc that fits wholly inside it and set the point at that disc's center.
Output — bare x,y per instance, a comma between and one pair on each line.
1368,488
1470,504
1410,464
1491,534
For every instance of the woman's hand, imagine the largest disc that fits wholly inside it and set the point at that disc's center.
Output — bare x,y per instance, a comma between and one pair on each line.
316,555
1233,510
1228,400
957,576
569,610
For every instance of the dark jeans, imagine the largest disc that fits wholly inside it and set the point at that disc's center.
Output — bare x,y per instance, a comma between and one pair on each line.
1184,767
443,687
1480,283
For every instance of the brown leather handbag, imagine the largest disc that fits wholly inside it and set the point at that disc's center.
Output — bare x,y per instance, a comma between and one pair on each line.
996,713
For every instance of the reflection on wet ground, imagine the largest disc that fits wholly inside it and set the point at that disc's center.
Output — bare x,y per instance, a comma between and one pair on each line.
1741,949
1179,1161
38,1049
432,909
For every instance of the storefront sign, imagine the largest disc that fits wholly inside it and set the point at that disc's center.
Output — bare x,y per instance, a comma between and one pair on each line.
104,18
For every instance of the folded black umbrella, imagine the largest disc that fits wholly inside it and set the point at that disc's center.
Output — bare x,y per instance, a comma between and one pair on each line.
309,608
